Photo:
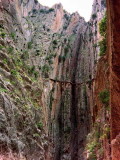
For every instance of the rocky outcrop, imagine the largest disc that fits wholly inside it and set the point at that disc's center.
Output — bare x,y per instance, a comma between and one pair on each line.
21,112
54,87
113,41
58,22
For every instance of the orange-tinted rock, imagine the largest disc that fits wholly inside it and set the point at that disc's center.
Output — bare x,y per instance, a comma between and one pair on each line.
58,22
115,144
114,52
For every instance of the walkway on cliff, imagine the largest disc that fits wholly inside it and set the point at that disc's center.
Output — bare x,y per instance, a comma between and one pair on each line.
69,82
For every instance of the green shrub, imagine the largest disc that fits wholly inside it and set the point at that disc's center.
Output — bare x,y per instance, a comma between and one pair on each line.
103,3
33,16
44,27
29,45
31,69
1,26
36,74
66,50
50,62
10,49
91,34
13,35
91,146
3,35
103,47
65,40
25,52
19,62
94,16
5,61
92,156
39,67
72,37
25,55
65,27
36,1
36,135
104,97
61,58
42,11
55,42
1,47
34,10
66,17
48,30
19,78
37,52
2,90
103,26
95,45
50,56
14,72
45,68
51,9
40,125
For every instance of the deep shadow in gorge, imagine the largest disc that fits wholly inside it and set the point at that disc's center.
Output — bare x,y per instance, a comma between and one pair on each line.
74,124
60,132
74,102
73,111
79,117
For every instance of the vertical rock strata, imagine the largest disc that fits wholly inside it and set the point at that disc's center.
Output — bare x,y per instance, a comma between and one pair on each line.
114,15
51,81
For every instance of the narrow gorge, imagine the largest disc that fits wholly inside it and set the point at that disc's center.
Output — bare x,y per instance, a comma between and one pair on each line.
59,82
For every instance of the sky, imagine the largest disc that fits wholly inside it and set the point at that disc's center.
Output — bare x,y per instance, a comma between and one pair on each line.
84,7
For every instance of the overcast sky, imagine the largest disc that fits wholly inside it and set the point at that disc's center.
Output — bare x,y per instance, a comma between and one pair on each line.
84,7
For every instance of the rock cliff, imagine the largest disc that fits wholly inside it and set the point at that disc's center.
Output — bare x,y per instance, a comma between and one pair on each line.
113,51
54,85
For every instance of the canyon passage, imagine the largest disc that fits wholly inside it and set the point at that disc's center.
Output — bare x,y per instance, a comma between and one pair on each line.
59,82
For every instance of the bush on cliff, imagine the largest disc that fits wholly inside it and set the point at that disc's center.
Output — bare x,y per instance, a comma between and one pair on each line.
103,26
104,97
94,16
36,1
103,31
103,47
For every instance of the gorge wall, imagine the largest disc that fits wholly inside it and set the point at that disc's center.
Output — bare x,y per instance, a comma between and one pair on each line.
54,85
113,41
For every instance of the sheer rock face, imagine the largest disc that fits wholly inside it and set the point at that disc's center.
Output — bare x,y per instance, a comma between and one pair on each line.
58,81
58,21
113,39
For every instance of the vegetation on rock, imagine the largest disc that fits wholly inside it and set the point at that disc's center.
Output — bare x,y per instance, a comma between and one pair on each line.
103,30
47,83
103,26
104,96
94,16
103,47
